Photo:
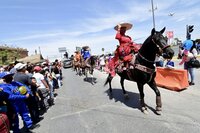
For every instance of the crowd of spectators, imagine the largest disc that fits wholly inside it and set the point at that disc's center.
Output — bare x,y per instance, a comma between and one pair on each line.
27,90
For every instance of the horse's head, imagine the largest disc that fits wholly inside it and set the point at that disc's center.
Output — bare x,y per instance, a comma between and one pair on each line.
161,43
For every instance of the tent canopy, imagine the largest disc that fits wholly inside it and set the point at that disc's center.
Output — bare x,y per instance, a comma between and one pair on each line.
32,59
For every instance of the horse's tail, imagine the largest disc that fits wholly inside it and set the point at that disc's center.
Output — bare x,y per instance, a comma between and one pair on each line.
108,80
92,60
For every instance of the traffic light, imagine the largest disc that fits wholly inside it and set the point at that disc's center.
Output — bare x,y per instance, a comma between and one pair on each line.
190,28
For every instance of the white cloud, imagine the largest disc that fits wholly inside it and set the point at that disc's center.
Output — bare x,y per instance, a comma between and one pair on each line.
97,32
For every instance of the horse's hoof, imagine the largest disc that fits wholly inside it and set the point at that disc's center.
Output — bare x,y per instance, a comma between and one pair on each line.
158,110
144,110
126,96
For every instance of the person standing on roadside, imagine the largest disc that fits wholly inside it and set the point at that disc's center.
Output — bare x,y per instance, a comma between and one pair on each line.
22,77
189,53
43,88
17,98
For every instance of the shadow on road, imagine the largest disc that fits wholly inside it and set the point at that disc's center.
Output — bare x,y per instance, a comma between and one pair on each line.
91,80
118,96
133,100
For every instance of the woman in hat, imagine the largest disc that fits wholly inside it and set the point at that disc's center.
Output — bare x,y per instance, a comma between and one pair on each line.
126,46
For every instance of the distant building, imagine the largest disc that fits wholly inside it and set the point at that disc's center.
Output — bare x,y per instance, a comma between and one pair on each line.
10,54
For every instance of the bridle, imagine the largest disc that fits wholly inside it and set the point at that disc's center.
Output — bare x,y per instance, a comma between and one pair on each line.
158,46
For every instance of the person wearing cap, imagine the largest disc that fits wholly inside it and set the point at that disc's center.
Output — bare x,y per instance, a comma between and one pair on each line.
43,88
22,77
125,48
17,99
187,44
189,53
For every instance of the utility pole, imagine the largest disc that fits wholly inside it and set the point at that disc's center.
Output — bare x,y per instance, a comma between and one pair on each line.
152,8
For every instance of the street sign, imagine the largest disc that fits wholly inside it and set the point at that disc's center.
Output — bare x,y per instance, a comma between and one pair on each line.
78,48
62,49
170,34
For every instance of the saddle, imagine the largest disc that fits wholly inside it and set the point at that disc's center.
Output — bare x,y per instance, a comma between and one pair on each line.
76,63
130,64
126,63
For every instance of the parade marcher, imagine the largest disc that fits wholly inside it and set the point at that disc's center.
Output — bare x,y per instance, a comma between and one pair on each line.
18,92
124,50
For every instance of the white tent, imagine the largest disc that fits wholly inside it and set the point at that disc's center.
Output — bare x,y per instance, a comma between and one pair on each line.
32,59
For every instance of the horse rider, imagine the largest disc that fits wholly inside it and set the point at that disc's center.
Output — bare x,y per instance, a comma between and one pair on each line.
125,49
86,54
77,57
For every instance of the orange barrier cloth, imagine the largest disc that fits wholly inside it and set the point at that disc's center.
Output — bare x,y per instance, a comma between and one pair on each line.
172,79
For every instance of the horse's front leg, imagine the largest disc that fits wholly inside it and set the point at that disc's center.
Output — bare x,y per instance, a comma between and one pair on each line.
142,102
123,89
153,85
92,77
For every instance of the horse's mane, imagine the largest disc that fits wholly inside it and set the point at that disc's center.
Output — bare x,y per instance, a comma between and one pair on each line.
148,50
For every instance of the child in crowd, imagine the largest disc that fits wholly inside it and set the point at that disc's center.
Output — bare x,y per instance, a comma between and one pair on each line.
187,55
169,64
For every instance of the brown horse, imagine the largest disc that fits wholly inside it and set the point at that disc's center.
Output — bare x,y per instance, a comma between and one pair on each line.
87,67
77,64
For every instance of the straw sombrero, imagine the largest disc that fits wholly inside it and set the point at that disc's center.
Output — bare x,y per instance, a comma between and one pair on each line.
87,48
123,24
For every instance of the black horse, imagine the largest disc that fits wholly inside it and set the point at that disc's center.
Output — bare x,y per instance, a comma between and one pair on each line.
144,67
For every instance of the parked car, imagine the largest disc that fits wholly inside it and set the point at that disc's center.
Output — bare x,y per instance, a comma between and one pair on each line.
67,63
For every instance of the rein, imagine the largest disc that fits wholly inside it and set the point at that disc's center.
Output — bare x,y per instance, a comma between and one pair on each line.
145,58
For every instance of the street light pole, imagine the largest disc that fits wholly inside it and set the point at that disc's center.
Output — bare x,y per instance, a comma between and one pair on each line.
152,6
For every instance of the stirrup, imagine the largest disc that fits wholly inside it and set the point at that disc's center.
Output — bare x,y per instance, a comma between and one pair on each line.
124,68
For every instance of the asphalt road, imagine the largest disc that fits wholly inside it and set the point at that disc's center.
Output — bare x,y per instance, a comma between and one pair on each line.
81,107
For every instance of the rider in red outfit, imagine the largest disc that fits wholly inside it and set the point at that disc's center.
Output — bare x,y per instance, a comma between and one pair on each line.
127,46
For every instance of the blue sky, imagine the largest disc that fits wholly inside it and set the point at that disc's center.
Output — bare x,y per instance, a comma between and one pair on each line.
50,24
